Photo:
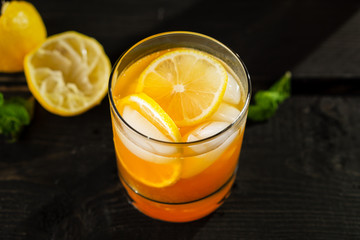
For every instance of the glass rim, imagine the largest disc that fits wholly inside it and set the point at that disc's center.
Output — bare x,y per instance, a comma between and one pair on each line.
231,125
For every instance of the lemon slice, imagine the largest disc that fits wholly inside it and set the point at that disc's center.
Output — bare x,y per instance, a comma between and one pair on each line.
68,73
140,158
152,120
148,173
188,84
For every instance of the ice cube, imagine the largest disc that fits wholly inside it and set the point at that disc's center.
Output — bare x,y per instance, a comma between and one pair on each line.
233,91
208,151
141,150
141,124
206,130
147,149
226,112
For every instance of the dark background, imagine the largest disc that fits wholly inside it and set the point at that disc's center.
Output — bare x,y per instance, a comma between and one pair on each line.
299,172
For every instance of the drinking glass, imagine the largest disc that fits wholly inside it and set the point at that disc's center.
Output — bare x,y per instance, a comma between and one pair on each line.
197,194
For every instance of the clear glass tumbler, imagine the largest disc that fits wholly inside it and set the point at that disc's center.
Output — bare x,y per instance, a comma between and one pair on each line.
202,171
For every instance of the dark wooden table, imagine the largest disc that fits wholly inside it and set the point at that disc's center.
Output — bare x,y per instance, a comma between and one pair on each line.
299,172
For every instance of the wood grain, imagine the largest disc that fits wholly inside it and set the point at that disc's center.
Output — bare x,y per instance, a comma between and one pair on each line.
296,180
299,172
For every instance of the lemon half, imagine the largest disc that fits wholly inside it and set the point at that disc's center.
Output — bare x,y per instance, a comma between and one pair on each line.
68,74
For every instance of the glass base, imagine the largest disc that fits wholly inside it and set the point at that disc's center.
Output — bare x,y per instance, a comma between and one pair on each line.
180,212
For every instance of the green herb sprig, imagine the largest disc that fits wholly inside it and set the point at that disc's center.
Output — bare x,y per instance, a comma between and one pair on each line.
266,102
15,113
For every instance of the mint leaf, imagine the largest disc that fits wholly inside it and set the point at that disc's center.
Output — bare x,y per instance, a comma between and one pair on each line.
15,113
1,99
266,102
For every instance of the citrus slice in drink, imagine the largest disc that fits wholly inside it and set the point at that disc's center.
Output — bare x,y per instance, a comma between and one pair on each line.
68,74
159,125
152,163
188,84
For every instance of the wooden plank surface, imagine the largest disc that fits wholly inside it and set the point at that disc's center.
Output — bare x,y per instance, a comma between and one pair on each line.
299,172
287,31
315,39
296,180
341,51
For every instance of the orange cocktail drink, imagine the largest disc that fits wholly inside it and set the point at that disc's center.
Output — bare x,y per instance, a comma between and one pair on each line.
179,102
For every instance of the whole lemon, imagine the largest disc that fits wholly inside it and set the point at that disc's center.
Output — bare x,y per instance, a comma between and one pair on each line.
21,30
